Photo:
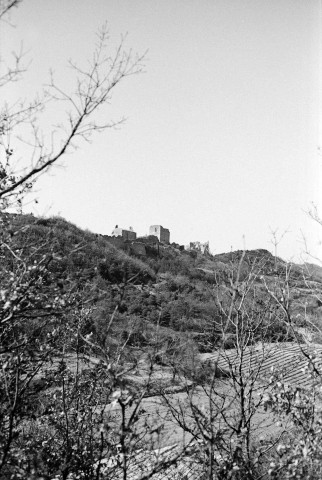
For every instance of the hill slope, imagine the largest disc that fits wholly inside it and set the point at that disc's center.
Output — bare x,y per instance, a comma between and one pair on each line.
170,300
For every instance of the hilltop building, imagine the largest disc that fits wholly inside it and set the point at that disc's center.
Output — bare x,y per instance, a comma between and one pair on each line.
163,234
125,234
198,247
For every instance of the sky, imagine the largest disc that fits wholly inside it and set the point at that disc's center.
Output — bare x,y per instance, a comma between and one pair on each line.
222,138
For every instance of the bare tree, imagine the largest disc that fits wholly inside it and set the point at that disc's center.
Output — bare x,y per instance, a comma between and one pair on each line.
223,412
94,85
38,322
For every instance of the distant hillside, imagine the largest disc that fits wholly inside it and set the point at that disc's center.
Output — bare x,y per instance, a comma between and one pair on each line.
170,300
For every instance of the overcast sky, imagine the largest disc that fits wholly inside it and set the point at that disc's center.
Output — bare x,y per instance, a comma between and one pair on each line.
222,134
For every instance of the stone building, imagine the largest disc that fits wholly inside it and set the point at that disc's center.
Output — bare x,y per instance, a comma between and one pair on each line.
125,234
163,234
199,247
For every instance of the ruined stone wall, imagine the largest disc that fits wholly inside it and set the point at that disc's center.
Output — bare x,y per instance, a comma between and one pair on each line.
118,242
198,247
138,248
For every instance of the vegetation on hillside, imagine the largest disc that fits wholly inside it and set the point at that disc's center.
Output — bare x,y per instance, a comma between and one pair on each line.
68,297
176,293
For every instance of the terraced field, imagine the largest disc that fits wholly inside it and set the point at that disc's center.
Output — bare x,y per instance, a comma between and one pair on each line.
289,359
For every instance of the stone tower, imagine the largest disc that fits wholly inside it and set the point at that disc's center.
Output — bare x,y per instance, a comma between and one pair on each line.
163,234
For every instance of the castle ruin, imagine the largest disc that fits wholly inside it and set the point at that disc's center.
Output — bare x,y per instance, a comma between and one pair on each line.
129,234
163,234
199,247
